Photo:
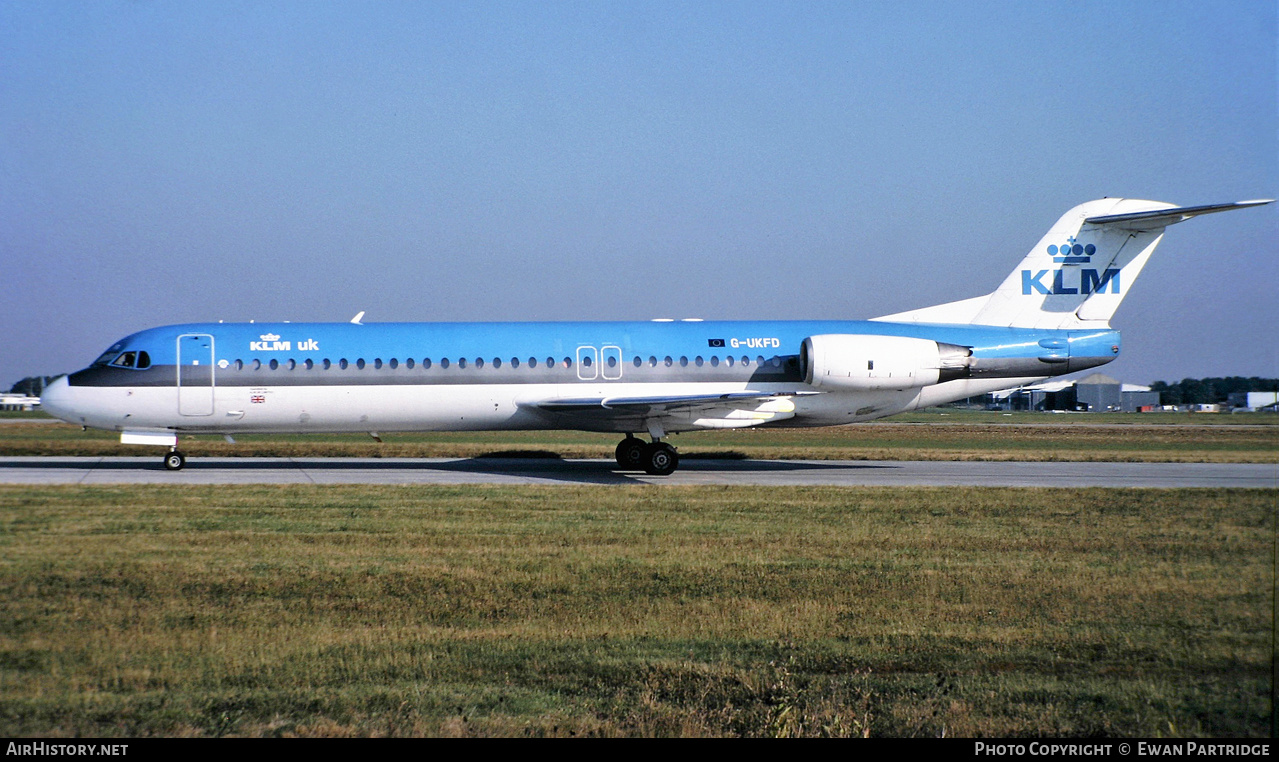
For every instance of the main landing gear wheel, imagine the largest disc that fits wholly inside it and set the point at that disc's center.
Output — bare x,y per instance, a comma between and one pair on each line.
660,459
175,460
630,454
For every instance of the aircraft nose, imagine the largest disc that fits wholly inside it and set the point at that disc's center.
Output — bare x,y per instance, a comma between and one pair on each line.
56,400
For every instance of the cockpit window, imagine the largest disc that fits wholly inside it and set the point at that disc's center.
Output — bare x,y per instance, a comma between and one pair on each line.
137,360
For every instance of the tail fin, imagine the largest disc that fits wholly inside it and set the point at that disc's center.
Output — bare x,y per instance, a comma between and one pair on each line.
1079,272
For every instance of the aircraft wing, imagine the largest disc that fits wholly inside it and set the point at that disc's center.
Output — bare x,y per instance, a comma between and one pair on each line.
711,411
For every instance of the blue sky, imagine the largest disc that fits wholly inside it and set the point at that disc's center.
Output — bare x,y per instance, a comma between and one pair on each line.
169,162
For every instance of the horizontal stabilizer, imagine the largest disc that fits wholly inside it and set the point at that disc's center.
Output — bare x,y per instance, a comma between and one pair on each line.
1159,218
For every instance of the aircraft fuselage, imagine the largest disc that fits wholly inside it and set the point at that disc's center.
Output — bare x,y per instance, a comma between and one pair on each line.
221,378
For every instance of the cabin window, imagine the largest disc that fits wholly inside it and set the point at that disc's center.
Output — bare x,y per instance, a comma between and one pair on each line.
275,365
239,364
729,360
698,361
479,362
444,362
550,362
652,361
409,363
394,363
683,362
532,362
612,361
586,361
746,360
426,363
327,364
309,364
568,362
668,361
714,361
461,362
515,362
497,362
639,361
377,363
342,363
292,364
359,364
257,365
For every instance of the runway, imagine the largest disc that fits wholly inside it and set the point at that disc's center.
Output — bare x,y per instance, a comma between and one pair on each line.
764,473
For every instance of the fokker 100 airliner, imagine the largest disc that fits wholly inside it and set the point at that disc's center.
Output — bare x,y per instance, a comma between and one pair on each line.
1049,317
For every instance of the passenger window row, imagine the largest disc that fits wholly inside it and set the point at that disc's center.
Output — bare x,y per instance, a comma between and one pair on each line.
497,362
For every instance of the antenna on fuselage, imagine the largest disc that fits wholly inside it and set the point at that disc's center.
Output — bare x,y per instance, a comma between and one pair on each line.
358,317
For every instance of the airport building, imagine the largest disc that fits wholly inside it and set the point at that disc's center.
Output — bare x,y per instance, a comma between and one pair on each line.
1095,393
1255,400
18,402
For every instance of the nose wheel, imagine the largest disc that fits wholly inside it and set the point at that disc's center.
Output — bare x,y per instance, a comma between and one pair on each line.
656,459
174,460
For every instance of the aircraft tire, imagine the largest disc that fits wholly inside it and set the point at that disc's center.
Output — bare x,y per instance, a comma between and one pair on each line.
630,454
660,459
174,461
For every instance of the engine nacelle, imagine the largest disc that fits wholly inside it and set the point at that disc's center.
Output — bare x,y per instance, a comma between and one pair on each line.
841,361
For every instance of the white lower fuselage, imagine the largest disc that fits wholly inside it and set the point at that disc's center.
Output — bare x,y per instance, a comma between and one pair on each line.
394,408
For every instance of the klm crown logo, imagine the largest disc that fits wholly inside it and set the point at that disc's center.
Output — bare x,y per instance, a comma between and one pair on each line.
1072,253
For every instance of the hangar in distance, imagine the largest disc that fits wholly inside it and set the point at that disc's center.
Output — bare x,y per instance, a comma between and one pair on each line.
1049,317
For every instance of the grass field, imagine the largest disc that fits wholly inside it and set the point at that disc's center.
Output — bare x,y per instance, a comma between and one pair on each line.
922,436
261,610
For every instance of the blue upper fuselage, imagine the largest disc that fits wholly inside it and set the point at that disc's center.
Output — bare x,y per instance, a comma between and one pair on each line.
335,341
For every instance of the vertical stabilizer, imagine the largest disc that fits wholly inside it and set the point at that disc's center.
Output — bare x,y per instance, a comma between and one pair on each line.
1077,267
1077,275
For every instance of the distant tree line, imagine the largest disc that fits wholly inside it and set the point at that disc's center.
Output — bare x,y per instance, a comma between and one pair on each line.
33,386
1205,391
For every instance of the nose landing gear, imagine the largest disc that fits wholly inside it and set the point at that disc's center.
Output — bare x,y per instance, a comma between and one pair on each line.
656,459
174,460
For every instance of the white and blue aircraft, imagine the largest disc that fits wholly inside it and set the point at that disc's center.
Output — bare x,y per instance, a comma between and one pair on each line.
1051,316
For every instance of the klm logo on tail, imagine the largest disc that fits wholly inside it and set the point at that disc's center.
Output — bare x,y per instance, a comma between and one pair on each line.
1089,281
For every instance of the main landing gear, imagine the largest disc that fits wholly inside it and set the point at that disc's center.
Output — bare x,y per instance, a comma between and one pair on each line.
656,459
174,460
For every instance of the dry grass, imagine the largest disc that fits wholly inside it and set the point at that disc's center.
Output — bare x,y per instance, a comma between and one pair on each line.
263,610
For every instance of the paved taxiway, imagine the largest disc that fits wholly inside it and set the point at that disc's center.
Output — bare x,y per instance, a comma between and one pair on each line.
136,470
